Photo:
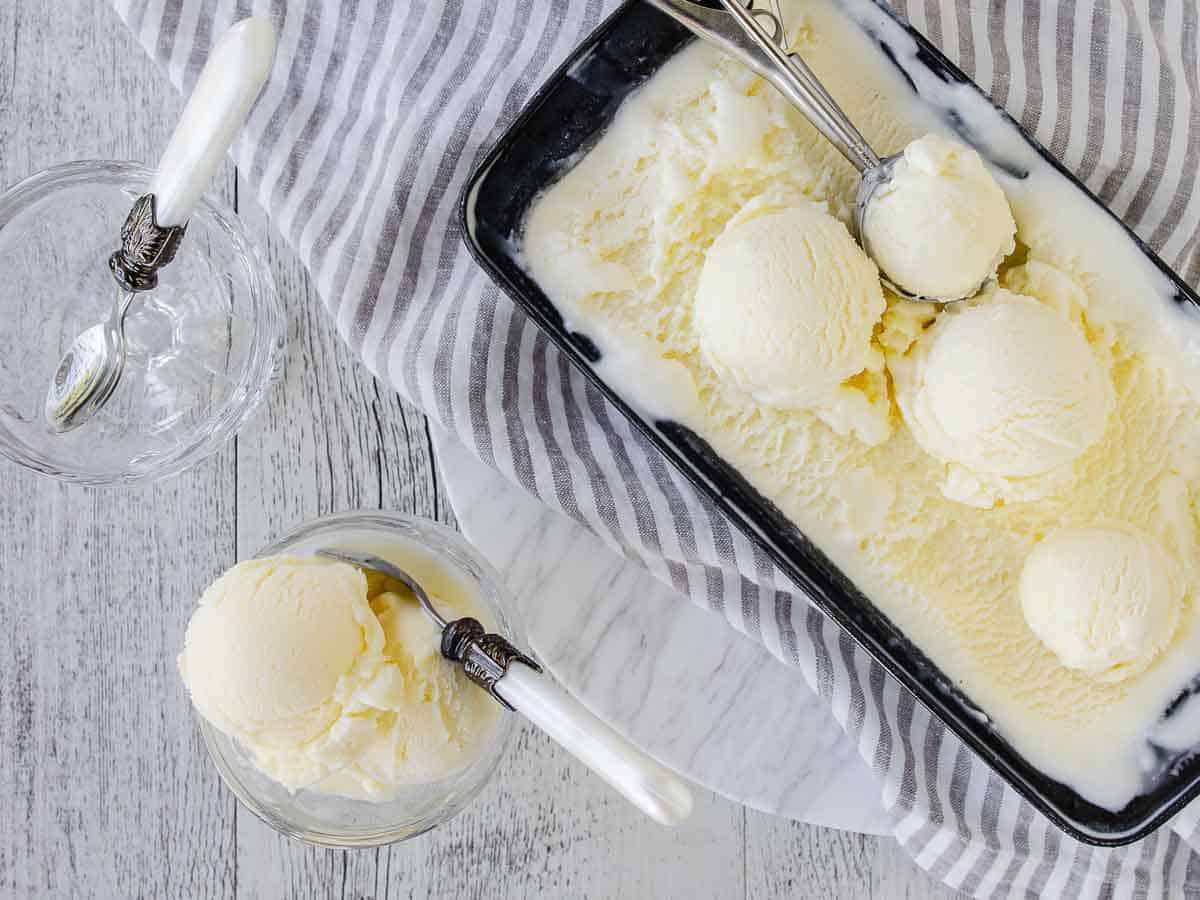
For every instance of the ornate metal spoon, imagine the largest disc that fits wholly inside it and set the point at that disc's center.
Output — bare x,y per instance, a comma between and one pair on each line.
518,682
231,79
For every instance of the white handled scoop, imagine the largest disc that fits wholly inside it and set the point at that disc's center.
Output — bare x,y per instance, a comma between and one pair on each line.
228,85
519,683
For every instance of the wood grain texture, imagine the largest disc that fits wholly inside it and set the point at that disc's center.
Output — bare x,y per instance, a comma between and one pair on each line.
793,859
105,790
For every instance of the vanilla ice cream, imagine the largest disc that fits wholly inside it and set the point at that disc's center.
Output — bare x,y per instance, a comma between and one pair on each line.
277,646
332,681
941,225
1007,392
1104,598
1083,411
785,309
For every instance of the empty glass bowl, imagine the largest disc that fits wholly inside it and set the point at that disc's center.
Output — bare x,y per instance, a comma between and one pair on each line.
203,347
419,546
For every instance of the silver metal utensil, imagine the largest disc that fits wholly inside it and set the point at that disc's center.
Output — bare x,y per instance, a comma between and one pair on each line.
89,371
753,32
231,79
519,683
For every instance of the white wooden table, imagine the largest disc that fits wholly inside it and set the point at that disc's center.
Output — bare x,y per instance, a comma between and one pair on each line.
104,786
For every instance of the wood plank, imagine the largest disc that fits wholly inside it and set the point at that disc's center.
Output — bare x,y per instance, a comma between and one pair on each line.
104,788
894,874
548,828
793,859
330,439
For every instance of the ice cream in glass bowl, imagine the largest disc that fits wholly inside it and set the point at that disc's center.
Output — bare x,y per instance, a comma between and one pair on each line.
322,694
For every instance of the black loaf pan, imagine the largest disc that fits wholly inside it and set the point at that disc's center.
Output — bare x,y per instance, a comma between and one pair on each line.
565,118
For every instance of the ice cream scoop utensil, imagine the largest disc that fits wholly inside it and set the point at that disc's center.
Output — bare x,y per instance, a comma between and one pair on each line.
520,684
753,32
231,79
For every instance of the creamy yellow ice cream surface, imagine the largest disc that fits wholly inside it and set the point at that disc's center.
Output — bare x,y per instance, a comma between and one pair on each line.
785,309
620,242
1104,598
332,680
1007,392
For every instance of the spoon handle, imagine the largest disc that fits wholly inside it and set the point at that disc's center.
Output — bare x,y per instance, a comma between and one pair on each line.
228,85
651,787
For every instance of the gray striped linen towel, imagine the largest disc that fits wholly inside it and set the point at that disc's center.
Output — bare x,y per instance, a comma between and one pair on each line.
373,118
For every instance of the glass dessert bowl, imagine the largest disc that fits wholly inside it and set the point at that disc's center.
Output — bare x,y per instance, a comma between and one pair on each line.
432,553
203,346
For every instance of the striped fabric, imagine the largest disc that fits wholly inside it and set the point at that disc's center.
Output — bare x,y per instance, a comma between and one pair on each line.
375,114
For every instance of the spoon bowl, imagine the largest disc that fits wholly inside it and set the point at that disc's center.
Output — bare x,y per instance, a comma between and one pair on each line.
873,180
89,372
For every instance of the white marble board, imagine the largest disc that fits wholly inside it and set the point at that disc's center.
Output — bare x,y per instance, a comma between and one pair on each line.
668,674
